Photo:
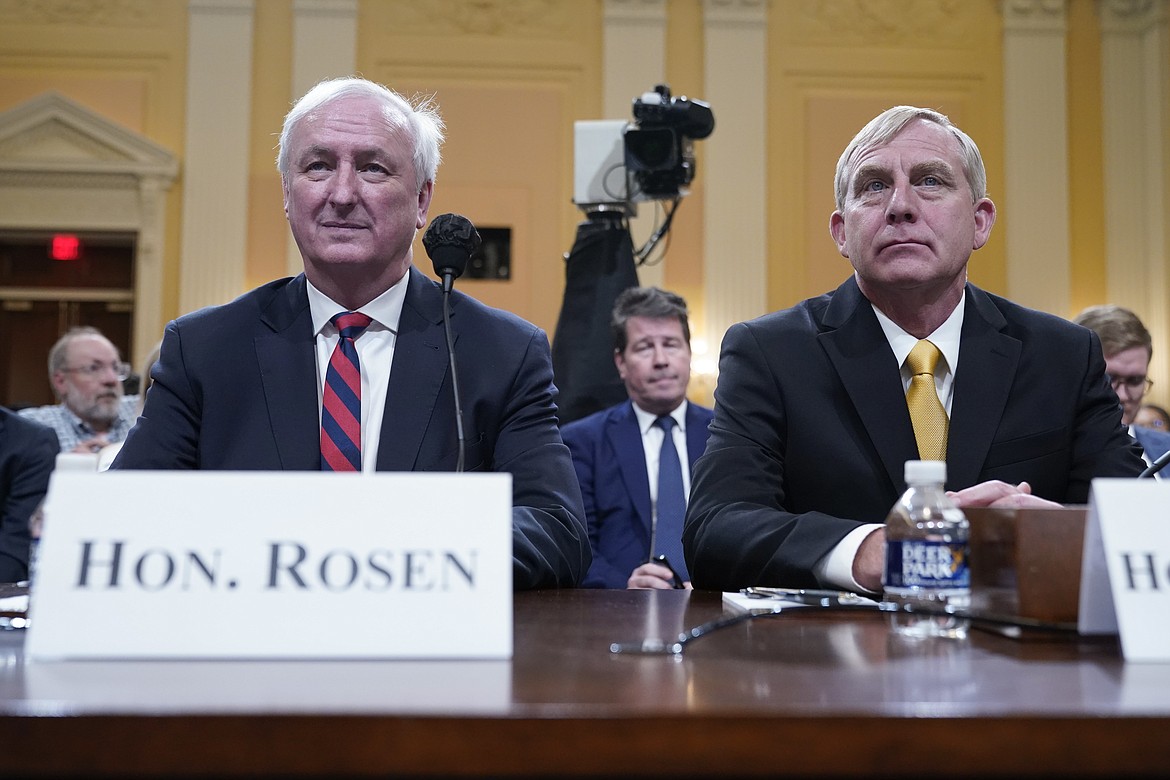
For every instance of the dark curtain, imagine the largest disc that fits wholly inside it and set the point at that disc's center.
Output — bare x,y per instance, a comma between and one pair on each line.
600,265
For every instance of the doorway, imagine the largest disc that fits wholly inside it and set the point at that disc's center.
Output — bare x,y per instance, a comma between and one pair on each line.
64,166
51,281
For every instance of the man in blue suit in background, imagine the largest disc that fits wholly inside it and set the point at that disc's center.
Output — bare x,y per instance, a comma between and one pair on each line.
618,452
1128,348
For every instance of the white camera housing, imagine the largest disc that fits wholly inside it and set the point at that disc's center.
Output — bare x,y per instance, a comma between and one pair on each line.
599,157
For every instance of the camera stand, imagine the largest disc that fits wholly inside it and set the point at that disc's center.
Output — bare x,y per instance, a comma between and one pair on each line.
598,267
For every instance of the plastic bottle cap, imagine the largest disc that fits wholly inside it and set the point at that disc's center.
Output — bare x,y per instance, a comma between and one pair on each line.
919,471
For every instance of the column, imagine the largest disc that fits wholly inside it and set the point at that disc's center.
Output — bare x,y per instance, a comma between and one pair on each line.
1036,154
148,275
215,157
324,46
1135,64
734,171
634,61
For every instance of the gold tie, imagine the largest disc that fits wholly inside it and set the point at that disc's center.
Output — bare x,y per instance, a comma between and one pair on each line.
926,411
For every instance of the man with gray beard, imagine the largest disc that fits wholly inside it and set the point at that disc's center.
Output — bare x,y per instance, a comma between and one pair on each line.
86,372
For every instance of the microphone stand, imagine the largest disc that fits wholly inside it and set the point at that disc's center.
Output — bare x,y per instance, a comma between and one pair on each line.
448,283
450,241
1157,465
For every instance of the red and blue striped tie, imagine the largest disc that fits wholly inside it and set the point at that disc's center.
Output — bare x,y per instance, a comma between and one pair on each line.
341,403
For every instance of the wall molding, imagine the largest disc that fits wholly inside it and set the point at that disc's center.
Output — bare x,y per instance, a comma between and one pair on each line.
63,166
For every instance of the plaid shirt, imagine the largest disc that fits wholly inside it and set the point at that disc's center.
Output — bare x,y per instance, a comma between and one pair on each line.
70,428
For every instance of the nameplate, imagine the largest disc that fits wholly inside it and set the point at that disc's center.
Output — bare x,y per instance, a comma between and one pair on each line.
164,564
1125,577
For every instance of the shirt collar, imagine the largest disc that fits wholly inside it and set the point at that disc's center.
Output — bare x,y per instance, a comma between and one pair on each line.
946,336
385,310
646,419
79,424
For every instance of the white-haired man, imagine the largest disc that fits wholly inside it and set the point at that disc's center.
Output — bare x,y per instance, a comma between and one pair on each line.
345,366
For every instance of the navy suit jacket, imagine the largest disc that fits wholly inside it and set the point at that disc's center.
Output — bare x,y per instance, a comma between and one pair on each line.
811,430
611,467
28,452
235,387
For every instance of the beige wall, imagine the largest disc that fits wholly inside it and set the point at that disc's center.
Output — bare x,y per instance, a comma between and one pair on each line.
833,67
1086,195
510,88
268,237
125,61
512,76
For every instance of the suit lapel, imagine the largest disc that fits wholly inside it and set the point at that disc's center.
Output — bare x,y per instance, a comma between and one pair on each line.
988,360
853,340
288,371
416,375
625,439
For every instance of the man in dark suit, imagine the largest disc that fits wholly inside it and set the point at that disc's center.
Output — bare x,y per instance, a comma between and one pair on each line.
28,451
1128,348
812,429
345,367
617,451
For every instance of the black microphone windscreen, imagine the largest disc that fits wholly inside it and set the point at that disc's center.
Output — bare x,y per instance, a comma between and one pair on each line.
450,242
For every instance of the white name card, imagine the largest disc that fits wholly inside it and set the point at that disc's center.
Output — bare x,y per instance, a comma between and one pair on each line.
1125,571
160,564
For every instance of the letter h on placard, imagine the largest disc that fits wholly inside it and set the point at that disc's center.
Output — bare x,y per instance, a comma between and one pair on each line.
1149,570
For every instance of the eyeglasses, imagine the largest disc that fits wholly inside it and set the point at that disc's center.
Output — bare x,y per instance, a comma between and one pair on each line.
1135,384
121,369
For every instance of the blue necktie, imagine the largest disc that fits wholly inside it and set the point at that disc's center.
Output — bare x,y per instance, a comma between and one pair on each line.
672,502
341,404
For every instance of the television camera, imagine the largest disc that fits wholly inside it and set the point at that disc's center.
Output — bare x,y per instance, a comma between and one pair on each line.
618,163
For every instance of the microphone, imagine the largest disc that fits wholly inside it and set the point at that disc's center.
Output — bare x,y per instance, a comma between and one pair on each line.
1157,465
450,241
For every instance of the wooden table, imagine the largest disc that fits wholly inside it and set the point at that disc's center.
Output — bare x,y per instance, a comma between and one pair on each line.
806,694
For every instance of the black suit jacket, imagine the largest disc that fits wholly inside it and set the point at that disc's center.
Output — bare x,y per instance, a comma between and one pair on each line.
811,429
611,467
28,452
236,388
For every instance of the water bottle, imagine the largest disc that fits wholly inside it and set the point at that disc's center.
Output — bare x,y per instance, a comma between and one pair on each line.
926,555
